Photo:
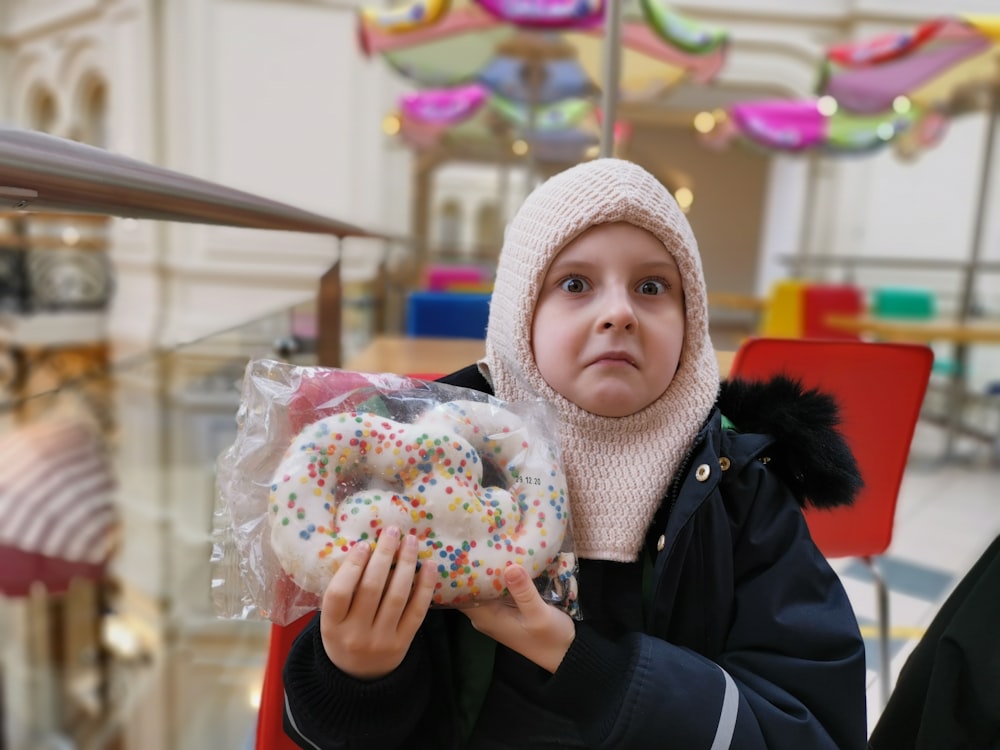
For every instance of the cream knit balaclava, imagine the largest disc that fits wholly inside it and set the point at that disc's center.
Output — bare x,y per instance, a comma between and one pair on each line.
618,468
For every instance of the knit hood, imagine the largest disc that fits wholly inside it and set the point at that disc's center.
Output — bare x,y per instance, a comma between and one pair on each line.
617,468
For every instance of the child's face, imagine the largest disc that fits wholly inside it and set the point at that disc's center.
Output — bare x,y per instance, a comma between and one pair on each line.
609,323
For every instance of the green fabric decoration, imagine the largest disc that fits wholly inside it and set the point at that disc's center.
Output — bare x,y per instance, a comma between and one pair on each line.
374,405
472,665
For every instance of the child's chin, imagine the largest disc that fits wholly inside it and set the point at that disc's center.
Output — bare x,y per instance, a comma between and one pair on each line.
615,404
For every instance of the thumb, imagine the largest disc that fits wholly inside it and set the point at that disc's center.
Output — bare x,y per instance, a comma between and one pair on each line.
521,589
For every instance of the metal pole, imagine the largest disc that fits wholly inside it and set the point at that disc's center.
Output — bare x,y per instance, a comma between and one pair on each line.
612,71
959,377
811,206
503,206
534,79
984,188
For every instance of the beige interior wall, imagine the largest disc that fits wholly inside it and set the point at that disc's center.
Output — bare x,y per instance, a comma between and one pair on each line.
730,185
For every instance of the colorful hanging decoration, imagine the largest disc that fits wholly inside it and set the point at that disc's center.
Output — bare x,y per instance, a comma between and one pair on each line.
539,61
884,46
897,88
933,66
690,36
453,50
443,106
546,14
801,125
559,115
509,76
414,15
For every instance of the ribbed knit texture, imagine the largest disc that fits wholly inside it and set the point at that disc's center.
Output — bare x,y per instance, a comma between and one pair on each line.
618,468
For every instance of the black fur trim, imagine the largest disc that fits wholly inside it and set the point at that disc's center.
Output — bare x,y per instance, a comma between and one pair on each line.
809,453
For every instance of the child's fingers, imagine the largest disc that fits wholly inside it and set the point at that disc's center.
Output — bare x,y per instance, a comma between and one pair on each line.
397,590
339,592
421,593
523,591
539,632
373,580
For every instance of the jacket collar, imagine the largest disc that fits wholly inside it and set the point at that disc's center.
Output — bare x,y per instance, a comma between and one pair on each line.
807,449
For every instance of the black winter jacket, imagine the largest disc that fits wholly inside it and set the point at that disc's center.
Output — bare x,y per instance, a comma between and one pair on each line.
947,696
732,632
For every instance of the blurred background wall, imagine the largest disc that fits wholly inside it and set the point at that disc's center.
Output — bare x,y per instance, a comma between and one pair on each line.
274,97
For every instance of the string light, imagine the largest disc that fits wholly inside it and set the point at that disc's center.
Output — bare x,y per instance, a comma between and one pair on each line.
70,236
391,124
827,105
704,122
684,198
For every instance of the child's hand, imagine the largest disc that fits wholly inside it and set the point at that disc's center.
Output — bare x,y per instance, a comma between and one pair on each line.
372,609
532,628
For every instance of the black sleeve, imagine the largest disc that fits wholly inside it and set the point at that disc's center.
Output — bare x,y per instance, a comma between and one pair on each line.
330,710
468,377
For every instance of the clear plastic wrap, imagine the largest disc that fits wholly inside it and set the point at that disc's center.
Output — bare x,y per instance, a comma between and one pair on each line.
325,459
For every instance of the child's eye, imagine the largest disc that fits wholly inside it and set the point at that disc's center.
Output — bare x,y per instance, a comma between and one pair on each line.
653,286
574,285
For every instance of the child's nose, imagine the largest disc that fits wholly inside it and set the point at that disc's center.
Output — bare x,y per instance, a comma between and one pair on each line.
618,313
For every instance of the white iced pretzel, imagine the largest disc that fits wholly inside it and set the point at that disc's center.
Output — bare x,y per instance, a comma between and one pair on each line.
348,476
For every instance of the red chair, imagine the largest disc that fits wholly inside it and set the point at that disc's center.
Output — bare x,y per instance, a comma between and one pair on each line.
270,733
880,388
822,300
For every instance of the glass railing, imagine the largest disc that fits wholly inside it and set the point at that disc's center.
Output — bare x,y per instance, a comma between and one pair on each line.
139,651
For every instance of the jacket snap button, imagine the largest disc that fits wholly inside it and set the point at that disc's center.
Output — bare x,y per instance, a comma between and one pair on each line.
724,463
702,473
660,543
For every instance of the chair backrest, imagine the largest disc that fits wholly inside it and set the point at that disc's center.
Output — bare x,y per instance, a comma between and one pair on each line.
880,388
903,302
821,300
457,277
782,315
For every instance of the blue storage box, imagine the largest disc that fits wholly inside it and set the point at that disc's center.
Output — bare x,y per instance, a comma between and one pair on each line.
459,315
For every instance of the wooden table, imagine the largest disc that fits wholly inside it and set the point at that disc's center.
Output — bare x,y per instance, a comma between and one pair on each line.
409,354
961,334
737,301
919,331
725,359
416,355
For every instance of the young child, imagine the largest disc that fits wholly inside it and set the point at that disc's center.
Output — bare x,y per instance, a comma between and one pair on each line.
709,618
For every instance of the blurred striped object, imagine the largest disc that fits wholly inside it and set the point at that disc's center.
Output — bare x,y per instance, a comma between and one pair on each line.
58,518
